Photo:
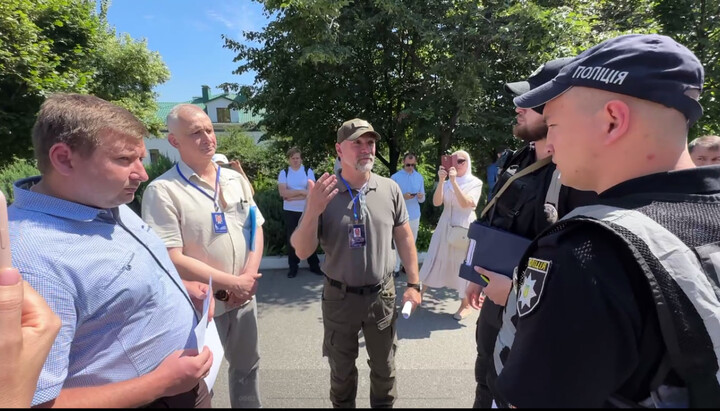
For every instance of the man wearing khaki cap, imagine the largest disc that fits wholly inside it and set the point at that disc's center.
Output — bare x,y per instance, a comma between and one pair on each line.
356,224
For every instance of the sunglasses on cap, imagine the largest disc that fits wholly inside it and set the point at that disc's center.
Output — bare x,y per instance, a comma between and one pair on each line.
410,165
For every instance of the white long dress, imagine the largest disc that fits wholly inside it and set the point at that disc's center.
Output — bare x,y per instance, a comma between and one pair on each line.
442,263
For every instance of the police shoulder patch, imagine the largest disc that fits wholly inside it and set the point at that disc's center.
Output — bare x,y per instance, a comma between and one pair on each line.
533,283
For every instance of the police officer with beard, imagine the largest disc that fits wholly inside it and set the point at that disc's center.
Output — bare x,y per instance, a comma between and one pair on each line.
521,209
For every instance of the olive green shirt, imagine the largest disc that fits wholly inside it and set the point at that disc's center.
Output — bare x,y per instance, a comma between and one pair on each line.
385,209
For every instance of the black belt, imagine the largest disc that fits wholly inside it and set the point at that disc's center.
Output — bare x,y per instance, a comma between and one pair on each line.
365,289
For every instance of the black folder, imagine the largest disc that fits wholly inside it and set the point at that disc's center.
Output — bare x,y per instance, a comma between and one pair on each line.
493,249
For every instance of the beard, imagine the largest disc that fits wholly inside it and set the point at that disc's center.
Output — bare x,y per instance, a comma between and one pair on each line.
364,168
529,133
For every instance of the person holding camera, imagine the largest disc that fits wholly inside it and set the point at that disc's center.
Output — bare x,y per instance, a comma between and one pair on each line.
412,185
459,196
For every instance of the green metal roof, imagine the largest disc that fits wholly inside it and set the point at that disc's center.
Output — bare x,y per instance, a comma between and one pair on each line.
243,116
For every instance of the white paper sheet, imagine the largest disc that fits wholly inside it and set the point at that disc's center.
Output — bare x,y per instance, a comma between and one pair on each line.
212,340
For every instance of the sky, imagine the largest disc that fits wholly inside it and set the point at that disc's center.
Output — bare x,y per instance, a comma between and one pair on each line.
186,33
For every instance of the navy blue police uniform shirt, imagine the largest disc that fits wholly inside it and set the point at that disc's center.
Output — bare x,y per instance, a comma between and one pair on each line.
588,328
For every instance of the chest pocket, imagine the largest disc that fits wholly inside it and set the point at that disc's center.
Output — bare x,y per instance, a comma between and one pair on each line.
514,208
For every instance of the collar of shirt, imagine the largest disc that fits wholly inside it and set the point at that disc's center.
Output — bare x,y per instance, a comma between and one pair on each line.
700,180
371,184
42,203
193,176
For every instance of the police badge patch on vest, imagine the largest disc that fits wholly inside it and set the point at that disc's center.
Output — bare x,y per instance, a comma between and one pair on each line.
531,289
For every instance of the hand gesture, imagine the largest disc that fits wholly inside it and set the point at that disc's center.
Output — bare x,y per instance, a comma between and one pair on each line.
413,295
320,193
245,285
183,369
498,287
28,330
442,173
198,292
420,196
473,292
235,165
453,174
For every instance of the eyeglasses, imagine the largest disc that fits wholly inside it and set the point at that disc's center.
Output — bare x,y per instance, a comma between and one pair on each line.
409,165
461,161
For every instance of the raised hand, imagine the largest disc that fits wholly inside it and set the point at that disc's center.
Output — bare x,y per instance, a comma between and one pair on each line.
321,192
29,329
452,173
442,173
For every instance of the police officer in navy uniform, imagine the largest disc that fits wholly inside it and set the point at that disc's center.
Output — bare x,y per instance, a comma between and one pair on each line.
581,327
521,209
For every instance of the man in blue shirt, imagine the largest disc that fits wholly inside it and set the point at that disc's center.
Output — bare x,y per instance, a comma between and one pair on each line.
412,185
127,319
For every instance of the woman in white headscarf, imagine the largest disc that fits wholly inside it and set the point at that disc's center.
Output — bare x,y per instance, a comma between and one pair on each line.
459,196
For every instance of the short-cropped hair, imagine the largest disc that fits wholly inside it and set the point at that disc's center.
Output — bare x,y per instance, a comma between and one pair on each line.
80,121
709,142
293,151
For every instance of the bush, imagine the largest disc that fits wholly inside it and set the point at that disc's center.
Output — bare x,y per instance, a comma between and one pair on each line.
18,169
153,171
270,205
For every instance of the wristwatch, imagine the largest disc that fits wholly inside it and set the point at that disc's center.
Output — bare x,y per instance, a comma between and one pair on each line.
417,286
222,295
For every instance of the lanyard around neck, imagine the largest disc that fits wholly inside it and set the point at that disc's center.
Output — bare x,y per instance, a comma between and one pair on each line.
354,198
217,185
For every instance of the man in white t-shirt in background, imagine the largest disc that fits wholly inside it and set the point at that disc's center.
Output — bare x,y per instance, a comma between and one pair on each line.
292,185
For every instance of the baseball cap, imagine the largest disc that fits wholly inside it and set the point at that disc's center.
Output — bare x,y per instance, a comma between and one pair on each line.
220,158
540,76
646,66
352,129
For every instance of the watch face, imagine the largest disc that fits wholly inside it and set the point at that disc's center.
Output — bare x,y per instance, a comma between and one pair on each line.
222,295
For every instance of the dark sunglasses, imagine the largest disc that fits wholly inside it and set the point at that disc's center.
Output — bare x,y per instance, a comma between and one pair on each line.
461,161
409,165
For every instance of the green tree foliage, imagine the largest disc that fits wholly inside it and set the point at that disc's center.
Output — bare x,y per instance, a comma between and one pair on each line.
429,74
49,46
19,168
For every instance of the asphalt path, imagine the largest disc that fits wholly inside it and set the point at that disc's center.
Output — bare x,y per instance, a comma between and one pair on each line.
435,357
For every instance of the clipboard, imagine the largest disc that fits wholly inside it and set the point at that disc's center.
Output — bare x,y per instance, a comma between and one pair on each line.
494,249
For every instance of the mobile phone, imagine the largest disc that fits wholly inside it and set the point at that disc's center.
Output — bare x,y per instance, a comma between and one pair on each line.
448,161
226,165
5,257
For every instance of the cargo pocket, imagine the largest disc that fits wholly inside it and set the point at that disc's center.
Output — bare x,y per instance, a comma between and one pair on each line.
384,309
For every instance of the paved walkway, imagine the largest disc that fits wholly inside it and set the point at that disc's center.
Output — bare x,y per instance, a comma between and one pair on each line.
435,358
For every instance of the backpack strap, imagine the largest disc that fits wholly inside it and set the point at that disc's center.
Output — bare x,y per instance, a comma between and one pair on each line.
287,171
553,193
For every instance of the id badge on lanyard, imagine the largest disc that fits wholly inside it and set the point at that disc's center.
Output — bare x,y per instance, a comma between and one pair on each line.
356,235
218,221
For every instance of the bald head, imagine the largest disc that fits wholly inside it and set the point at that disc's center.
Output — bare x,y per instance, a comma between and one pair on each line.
600,138
643,116
182,111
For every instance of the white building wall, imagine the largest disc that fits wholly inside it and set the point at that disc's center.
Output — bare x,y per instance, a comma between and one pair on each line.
212,107
163,146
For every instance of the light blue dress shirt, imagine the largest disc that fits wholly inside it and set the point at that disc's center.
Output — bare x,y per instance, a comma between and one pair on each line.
109,278
411,183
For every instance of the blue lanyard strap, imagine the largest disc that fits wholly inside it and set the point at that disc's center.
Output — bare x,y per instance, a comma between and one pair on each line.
354,198
217,184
